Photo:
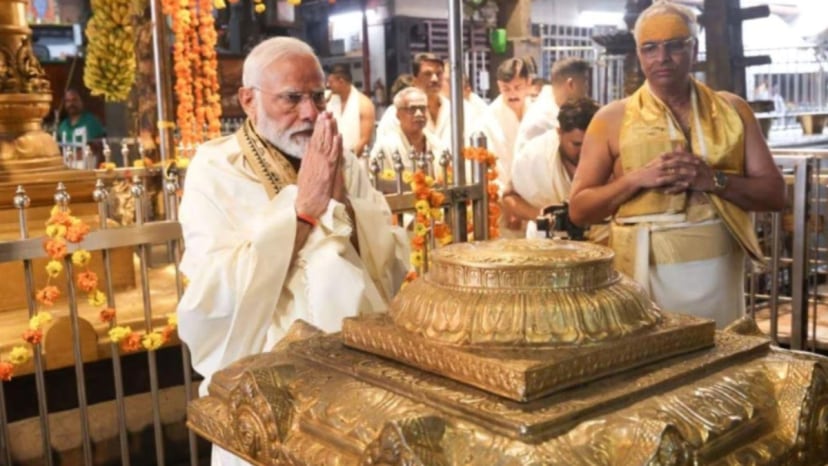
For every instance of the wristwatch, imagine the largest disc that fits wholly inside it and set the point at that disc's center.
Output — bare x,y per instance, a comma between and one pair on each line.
719,181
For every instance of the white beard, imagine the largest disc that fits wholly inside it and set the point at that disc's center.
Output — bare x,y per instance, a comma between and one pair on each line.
285,140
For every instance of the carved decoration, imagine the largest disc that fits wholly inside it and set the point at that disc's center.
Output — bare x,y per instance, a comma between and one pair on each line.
20,72
661,395
524,292
261,413
408,442
729,405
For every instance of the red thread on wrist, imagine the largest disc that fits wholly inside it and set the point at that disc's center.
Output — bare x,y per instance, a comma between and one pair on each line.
304,218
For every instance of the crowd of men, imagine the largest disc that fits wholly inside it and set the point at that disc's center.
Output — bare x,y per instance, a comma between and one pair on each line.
281,222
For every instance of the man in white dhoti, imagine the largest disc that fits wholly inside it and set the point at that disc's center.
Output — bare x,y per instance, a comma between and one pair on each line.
428,77
278,223
678,165
410,140
570,80
353,110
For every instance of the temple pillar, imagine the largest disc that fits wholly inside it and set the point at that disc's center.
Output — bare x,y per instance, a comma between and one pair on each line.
25,97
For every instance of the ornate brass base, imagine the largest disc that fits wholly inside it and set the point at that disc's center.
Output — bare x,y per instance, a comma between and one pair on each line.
319,402
528,373
521,320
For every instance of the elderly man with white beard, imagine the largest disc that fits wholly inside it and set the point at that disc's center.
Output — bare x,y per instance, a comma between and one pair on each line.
278,224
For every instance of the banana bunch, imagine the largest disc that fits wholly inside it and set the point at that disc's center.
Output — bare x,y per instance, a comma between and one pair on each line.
110,53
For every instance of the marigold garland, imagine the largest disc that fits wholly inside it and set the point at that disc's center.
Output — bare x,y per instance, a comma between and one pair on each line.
479,154
195,65
428,218
62,227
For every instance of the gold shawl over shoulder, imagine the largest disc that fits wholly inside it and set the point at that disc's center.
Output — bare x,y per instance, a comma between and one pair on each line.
272,169
645,134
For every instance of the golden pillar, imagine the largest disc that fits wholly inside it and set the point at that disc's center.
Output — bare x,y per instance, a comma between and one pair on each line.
25,98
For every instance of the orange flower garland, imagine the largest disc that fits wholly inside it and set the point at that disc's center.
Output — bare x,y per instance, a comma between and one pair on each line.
429,218
63,228
479,154
195,63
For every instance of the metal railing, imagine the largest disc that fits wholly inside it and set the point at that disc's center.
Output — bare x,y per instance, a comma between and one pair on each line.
796,253
141,235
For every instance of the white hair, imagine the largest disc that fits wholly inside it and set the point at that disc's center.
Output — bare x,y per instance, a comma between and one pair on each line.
666,7
404,95
272,50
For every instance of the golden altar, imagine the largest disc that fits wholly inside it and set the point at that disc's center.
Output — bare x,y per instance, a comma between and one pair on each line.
519,352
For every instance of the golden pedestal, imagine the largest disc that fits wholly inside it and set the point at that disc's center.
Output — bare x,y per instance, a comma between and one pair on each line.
442,379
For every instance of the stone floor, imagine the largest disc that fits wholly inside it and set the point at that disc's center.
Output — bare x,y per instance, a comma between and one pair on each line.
66,439
784,325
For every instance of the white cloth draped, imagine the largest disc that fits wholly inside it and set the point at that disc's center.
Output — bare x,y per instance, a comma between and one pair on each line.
541,117
244,292
500,125
538,172
347,118
712,288
474,109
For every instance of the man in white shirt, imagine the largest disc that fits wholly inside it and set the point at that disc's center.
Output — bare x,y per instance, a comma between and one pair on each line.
428,77
353,111
570,80
500,125
410,137
278,223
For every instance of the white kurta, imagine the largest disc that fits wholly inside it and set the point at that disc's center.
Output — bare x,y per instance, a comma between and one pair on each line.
347,118
541,116
538,172
440,128
244,292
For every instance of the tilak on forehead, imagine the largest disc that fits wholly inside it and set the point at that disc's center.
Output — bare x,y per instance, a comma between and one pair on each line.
664,26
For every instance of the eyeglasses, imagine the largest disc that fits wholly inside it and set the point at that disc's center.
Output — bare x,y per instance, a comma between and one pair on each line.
292,99
672,47
413,109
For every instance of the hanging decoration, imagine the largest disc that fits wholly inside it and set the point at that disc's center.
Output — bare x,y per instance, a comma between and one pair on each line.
195,65
428,219
110,65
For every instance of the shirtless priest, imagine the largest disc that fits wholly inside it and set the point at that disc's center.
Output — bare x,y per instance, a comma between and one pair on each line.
278,223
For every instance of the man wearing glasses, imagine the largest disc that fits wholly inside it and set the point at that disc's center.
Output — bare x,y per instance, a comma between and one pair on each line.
411,139
278,223
428,77
678,165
